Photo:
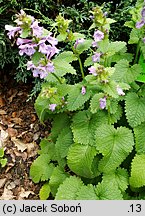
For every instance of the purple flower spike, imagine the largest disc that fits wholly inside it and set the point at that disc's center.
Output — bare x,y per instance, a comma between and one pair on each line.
83,91
120,91
12,30
96,57
78,41
92,70
102,103
98,35
52,107
143,12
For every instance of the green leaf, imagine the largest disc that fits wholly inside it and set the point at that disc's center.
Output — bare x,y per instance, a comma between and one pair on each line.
48,147
41,169
62,67
83,128
139,132
111,48
95,104
84,46
134,36
69,188
36,57
110,88
57,178
41,107
87,193
76,99
1,152
88,61
44,191
3,162
61,37
124,73
114,144
114,117
80,159
119,178
64,141
66,56
135,109
137,178
108,191
59,121
77,35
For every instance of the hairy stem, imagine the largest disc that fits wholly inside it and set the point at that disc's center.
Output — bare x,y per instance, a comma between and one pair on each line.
56,77
81,67
137,52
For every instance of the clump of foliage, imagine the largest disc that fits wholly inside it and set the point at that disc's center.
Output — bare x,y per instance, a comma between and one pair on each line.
96,149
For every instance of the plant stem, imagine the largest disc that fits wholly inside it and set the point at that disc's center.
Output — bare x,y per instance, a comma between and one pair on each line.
81,67
137,52
56,77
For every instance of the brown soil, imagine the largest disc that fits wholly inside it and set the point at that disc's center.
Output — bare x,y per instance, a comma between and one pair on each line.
20,135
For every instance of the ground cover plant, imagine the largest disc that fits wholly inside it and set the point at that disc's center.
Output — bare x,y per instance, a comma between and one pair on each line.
96,148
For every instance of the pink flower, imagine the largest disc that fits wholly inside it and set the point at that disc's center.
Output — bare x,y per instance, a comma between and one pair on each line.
102,103
52,107
96,57
28,49
140,24
50,67
37,30
12,30
98,35
120,91
83,91
92,70
21,41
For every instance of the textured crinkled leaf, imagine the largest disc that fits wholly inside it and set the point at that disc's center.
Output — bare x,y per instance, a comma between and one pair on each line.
112,105
125,73
137,178
114,117
64,141
84,46
62,67
87,192
88,61
108,191
95,104
80,159
48,147
119,178
110,88
41,169
111,48
134,36
76,99
44,191
66,56
69,188
114,144
57,178
59,121
83,127
139,132
77,35
135,109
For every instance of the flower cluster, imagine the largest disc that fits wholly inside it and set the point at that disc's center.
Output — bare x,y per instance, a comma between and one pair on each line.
40,41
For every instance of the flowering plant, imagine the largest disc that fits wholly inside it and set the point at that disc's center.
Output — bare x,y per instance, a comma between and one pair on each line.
97,136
